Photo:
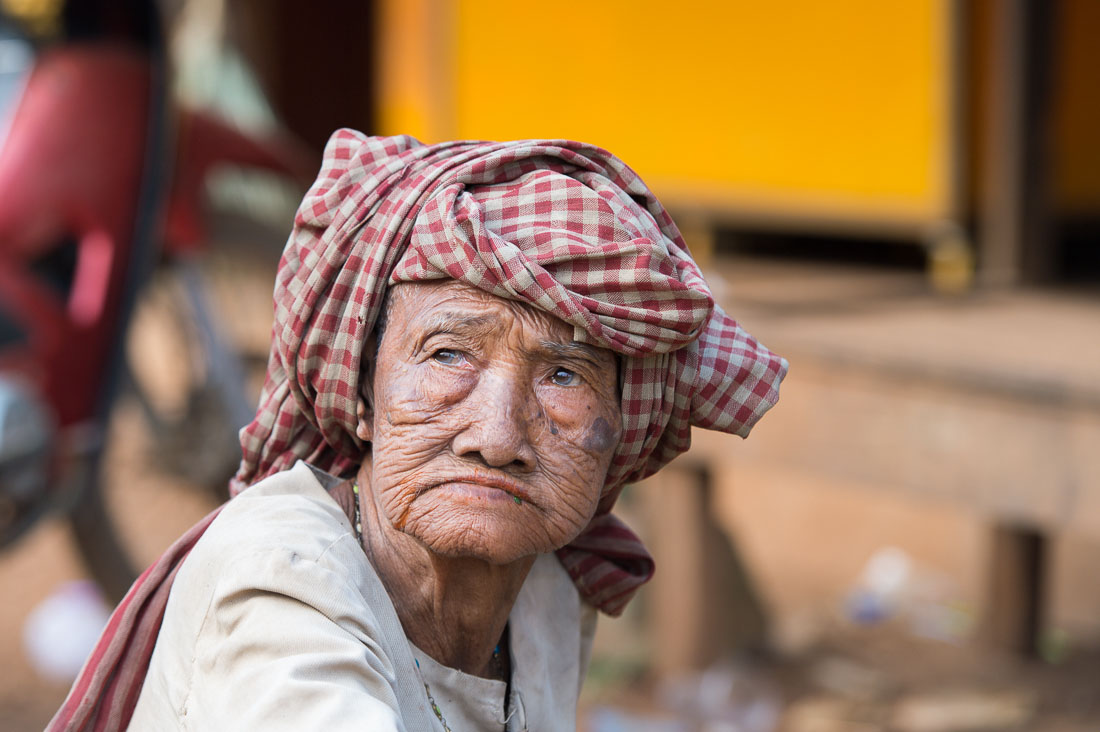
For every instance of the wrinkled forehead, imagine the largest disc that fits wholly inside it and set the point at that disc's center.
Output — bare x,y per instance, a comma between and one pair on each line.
450,299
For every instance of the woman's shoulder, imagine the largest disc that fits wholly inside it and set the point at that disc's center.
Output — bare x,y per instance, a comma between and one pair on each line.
288,511
275,613
283,536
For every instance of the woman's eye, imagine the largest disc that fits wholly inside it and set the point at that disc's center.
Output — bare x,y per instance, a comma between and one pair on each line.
447,357
564,377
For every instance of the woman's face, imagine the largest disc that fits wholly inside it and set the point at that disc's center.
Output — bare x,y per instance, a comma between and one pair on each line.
492,429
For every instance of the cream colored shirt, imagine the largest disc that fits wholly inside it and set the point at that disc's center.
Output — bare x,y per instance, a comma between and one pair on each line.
277,621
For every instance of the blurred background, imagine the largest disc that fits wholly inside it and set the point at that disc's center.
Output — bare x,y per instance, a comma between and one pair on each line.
902,198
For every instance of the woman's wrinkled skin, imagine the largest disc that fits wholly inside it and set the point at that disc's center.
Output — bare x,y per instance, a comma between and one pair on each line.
491,433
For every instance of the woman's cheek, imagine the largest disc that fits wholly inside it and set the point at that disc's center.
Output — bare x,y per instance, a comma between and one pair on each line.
567,410
440,388
584,420
417,395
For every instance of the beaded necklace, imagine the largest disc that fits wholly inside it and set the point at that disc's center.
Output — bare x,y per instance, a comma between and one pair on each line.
431,700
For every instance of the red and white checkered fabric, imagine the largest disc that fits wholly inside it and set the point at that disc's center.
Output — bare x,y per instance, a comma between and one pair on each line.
563,226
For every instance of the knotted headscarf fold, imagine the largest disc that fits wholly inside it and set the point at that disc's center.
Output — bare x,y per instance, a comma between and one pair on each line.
563,226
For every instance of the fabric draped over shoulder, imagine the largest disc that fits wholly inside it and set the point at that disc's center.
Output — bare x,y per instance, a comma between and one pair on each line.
563,226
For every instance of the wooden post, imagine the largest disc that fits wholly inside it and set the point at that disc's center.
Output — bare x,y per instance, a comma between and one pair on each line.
1014,215
702,604
1013,616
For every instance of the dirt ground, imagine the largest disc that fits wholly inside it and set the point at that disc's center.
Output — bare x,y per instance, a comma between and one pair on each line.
854,679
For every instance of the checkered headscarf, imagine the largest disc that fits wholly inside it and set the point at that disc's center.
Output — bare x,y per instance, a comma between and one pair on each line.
562,226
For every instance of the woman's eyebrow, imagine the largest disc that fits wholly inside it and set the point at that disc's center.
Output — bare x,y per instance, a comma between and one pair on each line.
450,323
571,350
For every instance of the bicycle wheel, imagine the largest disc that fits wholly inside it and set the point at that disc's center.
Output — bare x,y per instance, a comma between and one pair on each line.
170,442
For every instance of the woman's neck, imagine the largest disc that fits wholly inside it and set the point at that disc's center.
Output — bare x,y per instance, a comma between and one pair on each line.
453,609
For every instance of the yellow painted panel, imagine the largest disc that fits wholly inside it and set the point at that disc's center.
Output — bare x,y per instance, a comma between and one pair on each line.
406,68
834,106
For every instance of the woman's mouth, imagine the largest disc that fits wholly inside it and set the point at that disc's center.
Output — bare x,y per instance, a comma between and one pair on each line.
484,488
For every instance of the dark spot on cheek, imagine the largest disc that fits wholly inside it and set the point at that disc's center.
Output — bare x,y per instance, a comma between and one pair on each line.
553,429
600,437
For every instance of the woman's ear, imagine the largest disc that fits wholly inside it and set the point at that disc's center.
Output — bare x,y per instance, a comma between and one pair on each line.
364,405
364,419
364,408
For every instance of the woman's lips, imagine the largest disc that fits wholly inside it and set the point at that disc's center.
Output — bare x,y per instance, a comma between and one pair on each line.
484,488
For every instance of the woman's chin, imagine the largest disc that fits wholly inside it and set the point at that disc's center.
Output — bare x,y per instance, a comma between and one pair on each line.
489,556
483,535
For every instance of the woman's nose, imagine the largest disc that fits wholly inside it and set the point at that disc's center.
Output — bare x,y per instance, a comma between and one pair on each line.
497,429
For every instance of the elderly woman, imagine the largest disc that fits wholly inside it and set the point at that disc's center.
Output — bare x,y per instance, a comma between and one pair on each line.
476,345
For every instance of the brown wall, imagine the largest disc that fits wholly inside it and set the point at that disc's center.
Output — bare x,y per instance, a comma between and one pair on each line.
315,61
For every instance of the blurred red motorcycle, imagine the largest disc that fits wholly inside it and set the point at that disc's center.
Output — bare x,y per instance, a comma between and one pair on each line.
101,181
